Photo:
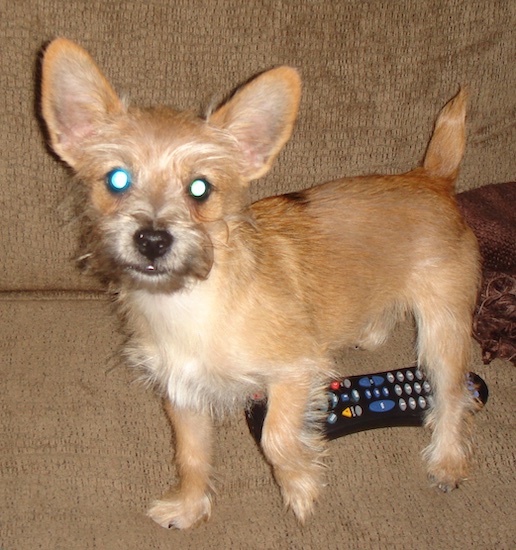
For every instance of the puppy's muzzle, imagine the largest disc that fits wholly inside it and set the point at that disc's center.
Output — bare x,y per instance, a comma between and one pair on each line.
153,243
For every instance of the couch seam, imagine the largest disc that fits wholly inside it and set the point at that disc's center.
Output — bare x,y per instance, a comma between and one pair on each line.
53,295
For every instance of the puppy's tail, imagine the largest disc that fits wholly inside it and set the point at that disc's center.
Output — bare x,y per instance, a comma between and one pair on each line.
446,148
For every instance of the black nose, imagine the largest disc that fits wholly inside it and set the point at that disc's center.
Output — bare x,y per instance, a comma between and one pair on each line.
153,243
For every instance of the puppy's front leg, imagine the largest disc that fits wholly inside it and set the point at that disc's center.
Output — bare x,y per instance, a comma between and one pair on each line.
293,446
190,502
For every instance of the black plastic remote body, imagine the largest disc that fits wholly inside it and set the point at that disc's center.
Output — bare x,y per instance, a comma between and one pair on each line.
383,399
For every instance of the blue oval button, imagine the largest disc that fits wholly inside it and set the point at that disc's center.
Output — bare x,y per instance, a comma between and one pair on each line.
381,406
377,380
365,382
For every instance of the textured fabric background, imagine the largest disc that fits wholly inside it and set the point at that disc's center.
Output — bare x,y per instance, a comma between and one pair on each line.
375,76
83,450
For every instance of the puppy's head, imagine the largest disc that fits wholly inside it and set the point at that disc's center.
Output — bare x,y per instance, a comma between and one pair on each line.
164,186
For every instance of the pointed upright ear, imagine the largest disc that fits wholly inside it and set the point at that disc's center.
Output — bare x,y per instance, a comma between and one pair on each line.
75,97
261,116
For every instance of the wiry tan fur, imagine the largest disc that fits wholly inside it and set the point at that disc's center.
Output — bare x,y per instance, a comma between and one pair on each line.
252,297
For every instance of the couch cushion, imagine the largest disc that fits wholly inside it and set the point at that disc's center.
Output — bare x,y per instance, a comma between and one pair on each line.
375,75
83,451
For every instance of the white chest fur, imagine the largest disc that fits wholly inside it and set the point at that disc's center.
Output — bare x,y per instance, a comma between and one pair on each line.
186,344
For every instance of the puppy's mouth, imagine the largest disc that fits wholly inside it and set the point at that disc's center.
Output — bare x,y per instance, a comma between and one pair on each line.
150,270
147,271
155,274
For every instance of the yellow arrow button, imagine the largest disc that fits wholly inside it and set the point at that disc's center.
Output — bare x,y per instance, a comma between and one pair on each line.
348,413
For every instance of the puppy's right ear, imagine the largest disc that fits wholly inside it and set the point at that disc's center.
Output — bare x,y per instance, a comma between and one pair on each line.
75,97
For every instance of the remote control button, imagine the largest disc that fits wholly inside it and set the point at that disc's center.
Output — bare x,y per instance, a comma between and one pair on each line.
410,375
368,381
384,405
347,383
332,418
368,394
426,387
335,385
358,410
422,402
402,404
347,413
419,375
377,380
400,376
412,403
398,390
385,391
344,397
333,399
355,395
376,392
417,387
408,389
390,377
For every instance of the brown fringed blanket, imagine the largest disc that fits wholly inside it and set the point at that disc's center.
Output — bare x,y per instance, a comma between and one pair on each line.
491,212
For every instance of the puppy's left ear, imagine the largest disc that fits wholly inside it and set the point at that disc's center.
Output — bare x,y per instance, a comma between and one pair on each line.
261,116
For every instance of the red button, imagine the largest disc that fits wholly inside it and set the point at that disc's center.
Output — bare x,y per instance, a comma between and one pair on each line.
335,385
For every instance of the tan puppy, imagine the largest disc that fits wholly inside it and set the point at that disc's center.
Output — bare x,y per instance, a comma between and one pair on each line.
224,298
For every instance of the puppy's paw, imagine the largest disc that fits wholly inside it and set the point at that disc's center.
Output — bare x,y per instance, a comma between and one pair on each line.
300,491
446,480
446,471
180,511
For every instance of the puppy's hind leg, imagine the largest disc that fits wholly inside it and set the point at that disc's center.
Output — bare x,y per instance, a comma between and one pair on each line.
444,345
191,501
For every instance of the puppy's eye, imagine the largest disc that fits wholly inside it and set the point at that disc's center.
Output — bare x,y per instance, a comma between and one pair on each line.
200,189
118,180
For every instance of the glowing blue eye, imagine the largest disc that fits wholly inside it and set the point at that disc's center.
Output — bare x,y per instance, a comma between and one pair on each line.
118,180
200,189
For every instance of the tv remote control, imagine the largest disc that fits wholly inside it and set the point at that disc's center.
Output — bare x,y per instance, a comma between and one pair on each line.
383,399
